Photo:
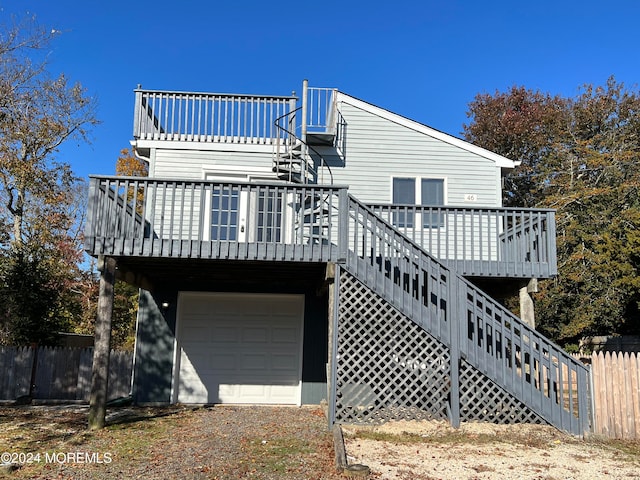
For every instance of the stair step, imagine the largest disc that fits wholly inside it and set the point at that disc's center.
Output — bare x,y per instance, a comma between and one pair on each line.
288,162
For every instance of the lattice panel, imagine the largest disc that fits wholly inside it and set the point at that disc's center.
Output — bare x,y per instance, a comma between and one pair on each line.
483,400
388,368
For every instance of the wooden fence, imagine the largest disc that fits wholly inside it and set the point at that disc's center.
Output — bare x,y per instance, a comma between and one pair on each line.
61,373
616,394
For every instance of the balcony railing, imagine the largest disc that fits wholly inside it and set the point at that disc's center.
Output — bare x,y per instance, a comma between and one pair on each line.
504,242
130,216
194,218
208,117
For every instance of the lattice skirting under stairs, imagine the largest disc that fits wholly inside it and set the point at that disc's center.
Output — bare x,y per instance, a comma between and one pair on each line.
389,368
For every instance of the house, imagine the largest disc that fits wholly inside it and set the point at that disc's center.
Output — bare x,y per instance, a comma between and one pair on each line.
293,250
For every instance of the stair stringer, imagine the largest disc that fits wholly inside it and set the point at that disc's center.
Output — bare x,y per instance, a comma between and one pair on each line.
478,331
390,368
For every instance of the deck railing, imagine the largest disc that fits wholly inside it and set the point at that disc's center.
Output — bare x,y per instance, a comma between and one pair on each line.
129,216
484,241
321,109
208,117
474,242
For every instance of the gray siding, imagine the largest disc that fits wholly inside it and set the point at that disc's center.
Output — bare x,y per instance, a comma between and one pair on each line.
378,149
191,164
155,334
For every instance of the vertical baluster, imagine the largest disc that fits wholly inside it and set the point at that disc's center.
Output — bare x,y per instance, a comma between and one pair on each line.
198,128
225,119
178,130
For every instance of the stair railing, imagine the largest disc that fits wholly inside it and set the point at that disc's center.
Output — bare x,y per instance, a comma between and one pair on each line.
289,141
476,328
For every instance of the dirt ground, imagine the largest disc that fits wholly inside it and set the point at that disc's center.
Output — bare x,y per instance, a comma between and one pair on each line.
218,442
232,442
433,450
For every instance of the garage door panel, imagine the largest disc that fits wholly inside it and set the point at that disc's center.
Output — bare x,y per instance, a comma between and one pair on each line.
284,335
225,334
283,362
255,362
248,355
222,362
256,334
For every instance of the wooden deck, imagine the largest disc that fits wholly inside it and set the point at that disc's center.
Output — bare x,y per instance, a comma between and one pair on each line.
196,219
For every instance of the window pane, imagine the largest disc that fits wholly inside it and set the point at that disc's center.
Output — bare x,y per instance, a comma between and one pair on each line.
404,192
269,216
224,214
432,191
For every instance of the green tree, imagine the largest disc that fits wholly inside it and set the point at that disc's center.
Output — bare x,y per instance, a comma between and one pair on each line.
125,311
580,156
40,219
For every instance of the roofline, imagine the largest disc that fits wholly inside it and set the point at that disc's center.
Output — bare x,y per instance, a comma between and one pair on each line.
502,162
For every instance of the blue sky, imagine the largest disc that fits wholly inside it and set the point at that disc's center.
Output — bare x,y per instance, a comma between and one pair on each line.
423,59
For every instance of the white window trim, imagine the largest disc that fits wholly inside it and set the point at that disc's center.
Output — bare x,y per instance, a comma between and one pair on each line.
418,186
418,195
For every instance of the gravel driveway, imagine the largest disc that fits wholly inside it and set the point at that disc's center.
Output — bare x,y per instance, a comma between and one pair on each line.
221,442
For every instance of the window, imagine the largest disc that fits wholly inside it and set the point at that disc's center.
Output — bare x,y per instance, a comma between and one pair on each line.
269,221
404,193
224,214
430,192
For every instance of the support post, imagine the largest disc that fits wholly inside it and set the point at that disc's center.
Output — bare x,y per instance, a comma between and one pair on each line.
305,112
455,309
303,130
333,276
527,311
102,344
343,225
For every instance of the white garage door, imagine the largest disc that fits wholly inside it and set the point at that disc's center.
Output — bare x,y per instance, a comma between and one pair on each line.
240,348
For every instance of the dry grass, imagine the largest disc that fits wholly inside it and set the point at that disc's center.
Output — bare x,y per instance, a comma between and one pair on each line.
174,442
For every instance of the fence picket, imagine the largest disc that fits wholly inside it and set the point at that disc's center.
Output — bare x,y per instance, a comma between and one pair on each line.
62,373
616,395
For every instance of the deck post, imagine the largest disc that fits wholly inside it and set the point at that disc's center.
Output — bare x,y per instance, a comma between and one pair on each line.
102,344
303,128
453,314
304,105
137,112
527,310
343,225
333,277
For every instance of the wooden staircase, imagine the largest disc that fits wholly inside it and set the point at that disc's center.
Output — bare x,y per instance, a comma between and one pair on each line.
469,359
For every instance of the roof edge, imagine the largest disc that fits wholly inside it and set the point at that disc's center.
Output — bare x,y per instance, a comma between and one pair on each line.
502,162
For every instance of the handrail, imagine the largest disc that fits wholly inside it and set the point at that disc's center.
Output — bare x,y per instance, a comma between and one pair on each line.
290,134
486,334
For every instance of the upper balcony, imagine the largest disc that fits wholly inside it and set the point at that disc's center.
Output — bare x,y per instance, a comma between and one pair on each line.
210,117
236,118
155,218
